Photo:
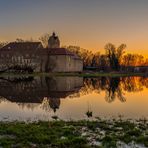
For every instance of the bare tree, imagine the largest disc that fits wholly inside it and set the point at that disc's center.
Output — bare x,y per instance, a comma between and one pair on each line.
133,60
19,40
114,55
44,39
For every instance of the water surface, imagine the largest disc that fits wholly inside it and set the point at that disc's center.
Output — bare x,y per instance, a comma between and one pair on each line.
41,98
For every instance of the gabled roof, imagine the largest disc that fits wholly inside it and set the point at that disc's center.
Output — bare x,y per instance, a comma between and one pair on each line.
22,46
62,51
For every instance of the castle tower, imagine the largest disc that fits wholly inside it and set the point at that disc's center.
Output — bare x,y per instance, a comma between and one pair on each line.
53,41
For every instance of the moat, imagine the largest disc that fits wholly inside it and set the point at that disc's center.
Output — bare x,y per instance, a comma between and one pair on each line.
69,98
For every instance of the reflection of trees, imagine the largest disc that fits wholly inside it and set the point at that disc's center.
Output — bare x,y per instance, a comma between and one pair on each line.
144,81
114,87
113,90
2,99
45,104
50,103
132,84
30,106
111,86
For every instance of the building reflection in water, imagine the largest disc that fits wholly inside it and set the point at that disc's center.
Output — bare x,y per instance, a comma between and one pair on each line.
46,90
49,91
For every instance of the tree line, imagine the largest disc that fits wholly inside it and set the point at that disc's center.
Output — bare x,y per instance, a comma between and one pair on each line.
114,57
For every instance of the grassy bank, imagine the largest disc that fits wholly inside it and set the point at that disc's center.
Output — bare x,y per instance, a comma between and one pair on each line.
83,74
100,133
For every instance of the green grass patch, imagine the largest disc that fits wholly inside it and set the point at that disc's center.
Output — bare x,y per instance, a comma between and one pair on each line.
69,134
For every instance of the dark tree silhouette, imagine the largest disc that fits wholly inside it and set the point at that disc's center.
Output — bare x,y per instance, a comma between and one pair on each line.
113,90
114,55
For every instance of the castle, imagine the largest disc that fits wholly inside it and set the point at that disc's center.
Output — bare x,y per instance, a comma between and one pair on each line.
33,57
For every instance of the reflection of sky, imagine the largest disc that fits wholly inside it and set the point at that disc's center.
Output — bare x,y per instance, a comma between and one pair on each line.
90,24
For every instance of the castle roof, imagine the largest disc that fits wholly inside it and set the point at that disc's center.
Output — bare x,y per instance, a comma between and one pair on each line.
62,51
22,46
35,47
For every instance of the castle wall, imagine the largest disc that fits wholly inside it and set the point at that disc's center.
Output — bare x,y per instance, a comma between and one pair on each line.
57,63
73,64
64,63
13,58
78,65
39,60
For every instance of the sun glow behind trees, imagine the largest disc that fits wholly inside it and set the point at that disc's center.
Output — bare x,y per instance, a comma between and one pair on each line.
97,59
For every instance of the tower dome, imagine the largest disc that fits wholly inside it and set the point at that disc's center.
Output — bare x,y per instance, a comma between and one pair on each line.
53,41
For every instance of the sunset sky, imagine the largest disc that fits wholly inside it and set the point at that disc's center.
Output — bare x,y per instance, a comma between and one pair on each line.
86,23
